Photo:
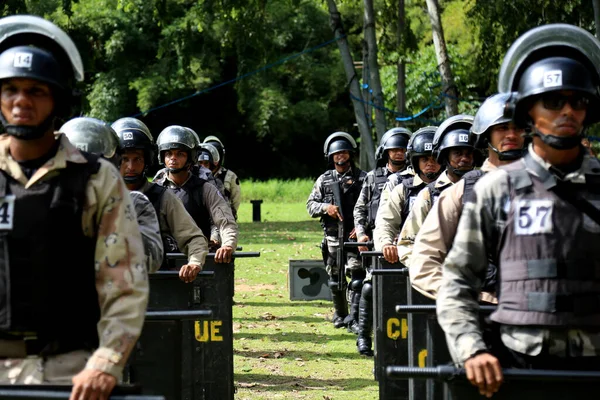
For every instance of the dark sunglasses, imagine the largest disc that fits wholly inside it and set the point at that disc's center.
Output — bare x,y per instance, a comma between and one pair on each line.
556,101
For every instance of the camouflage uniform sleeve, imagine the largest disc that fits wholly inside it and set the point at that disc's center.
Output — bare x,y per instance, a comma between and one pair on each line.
184,230
434,239
220,213
314,205
465,266
361,209
389,219
121,275
411,227
234,189
150,230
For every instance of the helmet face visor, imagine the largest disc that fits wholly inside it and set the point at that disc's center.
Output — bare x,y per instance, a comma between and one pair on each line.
547,41
18,30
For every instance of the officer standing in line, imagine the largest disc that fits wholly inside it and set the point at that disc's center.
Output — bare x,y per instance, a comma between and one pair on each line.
392,213
391,158
57,201
177,151
96,137
453,150
177,228
200,170
504,142
339,149
225,175
539,219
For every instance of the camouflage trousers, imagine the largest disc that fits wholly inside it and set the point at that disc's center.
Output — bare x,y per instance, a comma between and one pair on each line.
352,261
34,370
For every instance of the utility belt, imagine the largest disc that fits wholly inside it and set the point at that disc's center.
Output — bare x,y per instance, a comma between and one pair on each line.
21,345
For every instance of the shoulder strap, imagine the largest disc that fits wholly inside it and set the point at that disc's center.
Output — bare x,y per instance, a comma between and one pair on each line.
470,179
155,194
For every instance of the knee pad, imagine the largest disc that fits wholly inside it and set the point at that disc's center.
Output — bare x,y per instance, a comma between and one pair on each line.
367,290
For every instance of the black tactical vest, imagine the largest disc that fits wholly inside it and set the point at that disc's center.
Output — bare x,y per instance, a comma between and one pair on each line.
435,191
410,194
221,177
351,186
191,195
155,194
470,179
549,255
47,264
379,179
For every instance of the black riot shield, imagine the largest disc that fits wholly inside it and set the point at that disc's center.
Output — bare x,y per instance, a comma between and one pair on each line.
188,358
390,329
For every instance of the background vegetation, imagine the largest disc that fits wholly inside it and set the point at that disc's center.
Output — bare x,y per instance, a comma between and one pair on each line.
266,76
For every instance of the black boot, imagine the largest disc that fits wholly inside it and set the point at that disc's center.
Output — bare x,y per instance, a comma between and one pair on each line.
365,321
352,318
340,307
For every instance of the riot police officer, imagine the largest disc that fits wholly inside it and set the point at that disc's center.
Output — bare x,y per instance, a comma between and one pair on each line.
96,137
229,179
177,229
198,169
339,149
392,213
70,242
453,149
177,151
539,219
391,158
497,133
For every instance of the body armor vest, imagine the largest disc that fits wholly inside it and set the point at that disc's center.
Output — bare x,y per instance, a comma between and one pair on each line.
435,191
155,194
47,264
470,179
410,194
549,255
221,177
191,195
379,179
351,186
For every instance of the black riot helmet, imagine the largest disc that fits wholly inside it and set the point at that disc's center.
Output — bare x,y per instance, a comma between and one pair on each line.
420,145
208,152
490,114
177,137
336,142
133,134
395,138
93,136
34,48
452,133
218,144
546,59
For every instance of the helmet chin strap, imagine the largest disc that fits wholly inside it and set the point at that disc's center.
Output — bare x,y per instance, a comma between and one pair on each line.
27,132
458,172
558,142
398,163
137,179
432,175
508,155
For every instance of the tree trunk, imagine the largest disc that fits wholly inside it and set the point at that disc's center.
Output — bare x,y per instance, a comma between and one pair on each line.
401,84
371,39
441,53
366,97
597,17
335,21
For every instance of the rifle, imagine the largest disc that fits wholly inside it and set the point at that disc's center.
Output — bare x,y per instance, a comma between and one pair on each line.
337,200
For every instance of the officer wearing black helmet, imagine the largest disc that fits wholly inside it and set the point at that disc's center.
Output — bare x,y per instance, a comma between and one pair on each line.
453,149
230,180
96,137
198,169
393,212
177,228
539,219
70,240
339,149
391,158
177,150
504,141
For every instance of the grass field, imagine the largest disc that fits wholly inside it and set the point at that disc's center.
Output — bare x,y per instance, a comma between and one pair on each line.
288,349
